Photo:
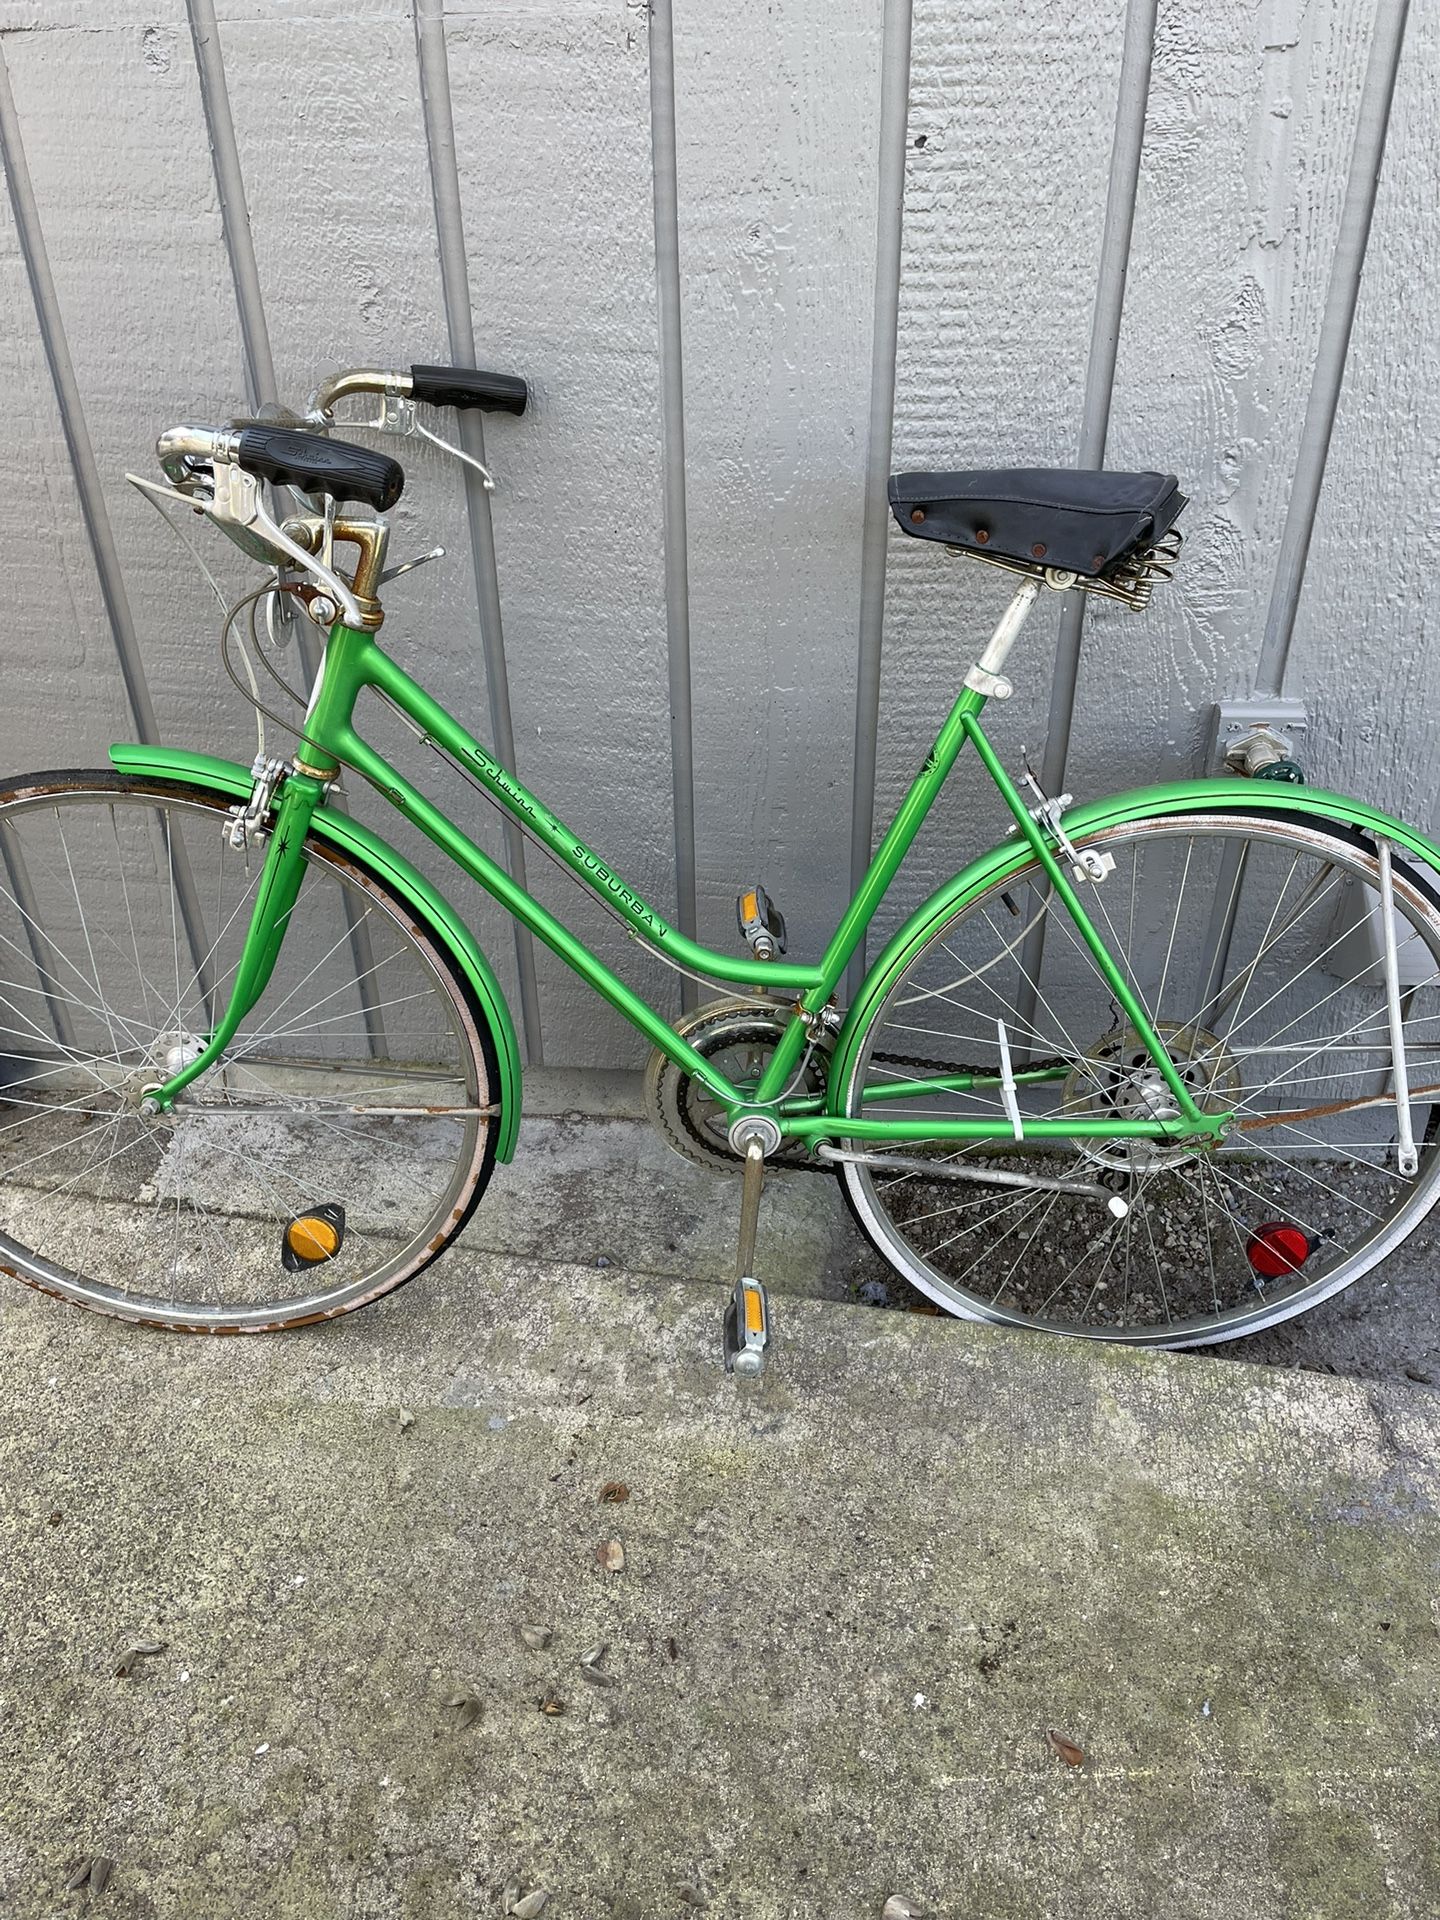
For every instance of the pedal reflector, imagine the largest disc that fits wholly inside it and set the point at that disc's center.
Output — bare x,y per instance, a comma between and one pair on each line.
754,1310
313,1237
747,1329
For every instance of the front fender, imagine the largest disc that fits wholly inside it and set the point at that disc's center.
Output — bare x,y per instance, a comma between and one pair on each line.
1186,796
348,836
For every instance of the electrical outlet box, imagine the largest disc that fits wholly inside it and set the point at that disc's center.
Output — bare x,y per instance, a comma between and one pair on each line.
1234,719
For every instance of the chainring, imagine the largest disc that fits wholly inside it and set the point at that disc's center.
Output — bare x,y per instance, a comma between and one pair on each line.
739,1036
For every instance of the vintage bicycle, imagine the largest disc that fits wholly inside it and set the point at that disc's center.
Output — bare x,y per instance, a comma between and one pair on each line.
1157,1069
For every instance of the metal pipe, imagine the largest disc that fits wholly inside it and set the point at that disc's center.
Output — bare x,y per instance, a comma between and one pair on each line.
89,491
1126,149
259,373
672,450
889,234
1407,1158
434,65
1337,321
234,208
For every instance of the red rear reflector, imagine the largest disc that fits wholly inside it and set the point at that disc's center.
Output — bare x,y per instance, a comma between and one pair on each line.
1278,1248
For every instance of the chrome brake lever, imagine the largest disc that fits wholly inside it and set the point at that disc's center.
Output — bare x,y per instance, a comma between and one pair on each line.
397,415
240,503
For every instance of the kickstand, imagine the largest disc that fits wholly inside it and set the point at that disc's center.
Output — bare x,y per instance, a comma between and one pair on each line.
747,1315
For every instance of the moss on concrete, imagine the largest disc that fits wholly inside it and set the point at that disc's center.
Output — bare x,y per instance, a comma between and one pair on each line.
853,1603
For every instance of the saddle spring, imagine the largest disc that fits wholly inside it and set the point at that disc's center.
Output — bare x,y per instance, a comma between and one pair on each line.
1130,579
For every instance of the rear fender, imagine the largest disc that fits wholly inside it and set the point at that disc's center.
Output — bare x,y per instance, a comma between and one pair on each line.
1188,796
348,836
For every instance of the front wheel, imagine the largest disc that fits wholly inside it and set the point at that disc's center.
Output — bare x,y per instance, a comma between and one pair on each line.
342,1143
1255,946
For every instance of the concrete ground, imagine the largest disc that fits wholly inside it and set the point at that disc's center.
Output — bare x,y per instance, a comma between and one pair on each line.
854,1604
594,1180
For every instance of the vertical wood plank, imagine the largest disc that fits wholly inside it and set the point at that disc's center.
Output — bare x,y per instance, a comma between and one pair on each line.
1012,115
1368,623
778,112
554,150
1248,142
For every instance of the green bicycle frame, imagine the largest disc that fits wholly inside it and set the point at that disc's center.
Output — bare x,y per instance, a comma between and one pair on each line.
354,663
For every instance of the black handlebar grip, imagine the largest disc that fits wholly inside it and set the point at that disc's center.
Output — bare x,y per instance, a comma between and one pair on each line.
290,458
468,387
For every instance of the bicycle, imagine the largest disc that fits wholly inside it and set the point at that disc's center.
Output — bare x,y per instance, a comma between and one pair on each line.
1142,1072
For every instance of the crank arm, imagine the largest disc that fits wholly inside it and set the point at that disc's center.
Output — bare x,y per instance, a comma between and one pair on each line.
981,1176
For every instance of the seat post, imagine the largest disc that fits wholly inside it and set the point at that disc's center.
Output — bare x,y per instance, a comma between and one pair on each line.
985,676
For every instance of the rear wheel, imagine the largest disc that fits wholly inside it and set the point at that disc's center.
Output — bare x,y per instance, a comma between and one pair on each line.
342,1143
1255,947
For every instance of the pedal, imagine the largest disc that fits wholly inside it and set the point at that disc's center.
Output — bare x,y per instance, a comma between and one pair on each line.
762,925
747,1329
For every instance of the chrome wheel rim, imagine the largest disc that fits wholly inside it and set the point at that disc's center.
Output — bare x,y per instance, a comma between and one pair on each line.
181,1220
1263,1169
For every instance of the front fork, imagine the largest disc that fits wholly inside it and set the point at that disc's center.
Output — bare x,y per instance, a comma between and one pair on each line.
275,896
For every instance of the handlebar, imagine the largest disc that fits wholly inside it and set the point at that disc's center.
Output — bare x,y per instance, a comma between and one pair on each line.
458,387
217,469
289,457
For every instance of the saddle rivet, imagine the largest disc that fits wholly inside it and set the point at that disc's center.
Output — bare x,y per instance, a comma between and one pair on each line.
982,536
1099,561
1038,549
917,514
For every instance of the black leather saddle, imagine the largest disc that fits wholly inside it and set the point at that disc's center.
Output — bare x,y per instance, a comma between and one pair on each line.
1080,521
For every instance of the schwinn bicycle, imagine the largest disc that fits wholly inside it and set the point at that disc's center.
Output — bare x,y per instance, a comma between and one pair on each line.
1158,1069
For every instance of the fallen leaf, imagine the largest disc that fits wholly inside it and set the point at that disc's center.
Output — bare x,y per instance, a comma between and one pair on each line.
551,1703
610,1556
79,1878
100,1872
467,1707
407,1419
692,1896
135,1652
536,1638
1072,1755
897,1907
613,1493
672,1647
532,1906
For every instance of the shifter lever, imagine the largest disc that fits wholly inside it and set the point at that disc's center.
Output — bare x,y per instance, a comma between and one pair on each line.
409,566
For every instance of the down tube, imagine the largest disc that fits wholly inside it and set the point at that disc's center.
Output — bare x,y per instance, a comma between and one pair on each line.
458,847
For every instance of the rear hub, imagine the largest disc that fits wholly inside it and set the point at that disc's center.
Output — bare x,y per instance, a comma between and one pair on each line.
1117,1079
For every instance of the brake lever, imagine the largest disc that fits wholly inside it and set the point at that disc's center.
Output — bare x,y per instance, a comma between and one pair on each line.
397,415
239,502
